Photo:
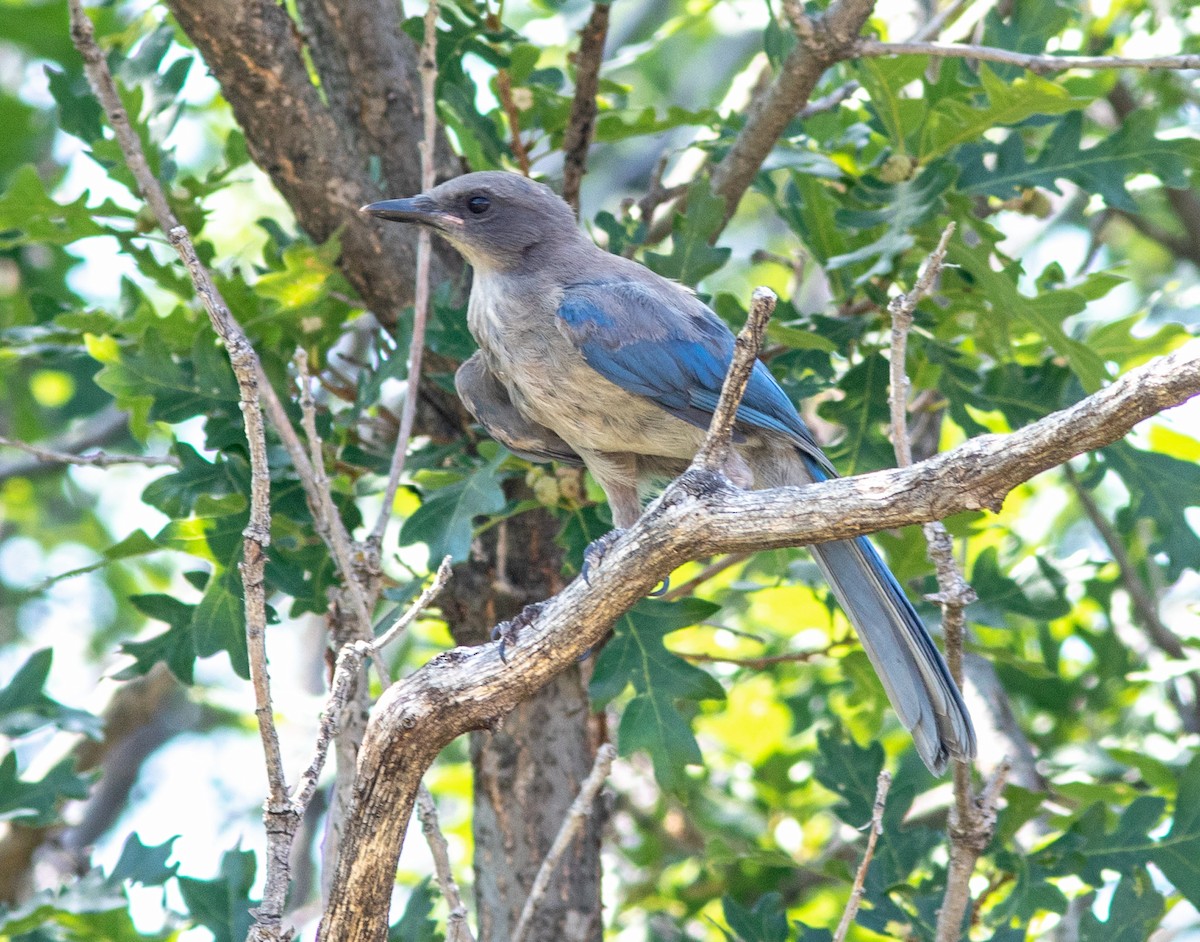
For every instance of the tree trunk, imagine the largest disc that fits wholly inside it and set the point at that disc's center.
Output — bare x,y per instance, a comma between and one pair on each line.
319,153
528,770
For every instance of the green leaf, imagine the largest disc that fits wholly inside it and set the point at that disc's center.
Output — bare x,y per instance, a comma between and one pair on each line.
28,215
222,905
36,803
636,655
1103,168
1134,911
176,494
445,521
1000,595
25,707
1043,314
765,922
1178,854
155,386
692,254
956,121
850,771
1162,489
144,863
78,110
176,646
614,126
884,79
416,923
219,621
652,722
899,208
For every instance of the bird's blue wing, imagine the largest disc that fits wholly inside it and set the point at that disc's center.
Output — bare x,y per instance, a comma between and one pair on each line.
674,351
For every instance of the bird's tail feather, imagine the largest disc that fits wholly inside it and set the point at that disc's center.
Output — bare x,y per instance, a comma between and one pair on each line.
911,668
909,665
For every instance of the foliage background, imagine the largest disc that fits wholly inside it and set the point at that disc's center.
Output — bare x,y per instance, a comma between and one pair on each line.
743,785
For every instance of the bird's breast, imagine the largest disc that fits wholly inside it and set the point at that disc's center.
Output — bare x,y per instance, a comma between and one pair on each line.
551,384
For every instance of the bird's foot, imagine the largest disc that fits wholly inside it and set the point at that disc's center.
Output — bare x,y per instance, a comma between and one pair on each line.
507,632
594,555
596,550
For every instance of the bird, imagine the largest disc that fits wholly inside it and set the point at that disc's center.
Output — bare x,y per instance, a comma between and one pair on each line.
590,358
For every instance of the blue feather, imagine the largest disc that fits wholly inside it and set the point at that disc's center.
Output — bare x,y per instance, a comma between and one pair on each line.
677,358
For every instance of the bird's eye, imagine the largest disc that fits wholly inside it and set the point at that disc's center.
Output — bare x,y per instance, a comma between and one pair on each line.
478,204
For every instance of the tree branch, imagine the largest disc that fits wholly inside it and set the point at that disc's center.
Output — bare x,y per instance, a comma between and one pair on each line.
103,428
513,115
278,816
1035,62
875,828
582,122
429,74
699,515
578,812
715,451
97,459
457,929
822,42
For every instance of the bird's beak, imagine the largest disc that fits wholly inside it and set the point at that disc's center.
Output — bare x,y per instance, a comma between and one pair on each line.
421,209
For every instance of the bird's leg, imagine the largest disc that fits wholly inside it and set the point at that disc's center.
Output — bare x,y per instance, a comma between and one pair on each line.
507,632
617,474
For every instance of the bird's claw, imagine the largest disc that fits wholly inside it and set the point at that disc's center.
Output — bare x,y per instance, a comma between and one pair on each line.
507,631
594,555
596,550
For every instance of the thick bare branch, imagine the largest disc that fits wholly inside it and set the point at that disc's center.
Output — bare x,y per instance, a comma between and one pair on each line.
582,123
822,42
698,516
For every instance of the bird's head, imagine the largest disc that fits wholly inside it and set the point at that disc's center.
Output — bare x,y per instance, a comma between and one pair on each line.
494,219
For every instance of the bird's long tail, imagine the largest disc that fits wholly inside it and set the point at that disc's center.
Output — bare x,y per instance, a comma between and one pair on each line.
911,668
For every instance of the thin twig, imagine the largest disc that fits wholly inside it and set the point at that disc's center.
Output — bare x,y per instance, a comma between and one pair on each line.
582,122
326,518
97,459
972,819
829,102
715,451
278,817
513,115
421,298
762,662
457,928
938,21
440,578
708,572
1142,597
882,785
580,808
902,308
350,658
1035,62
